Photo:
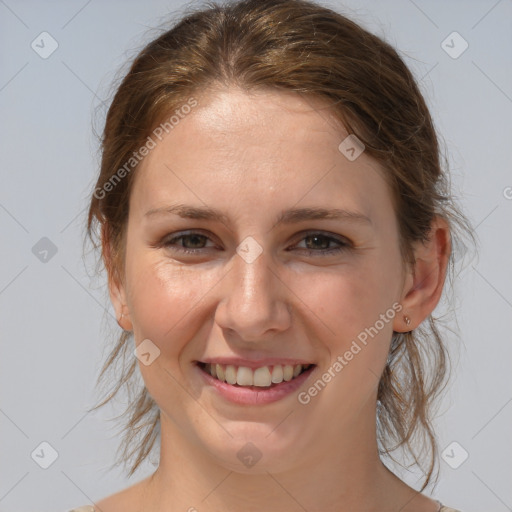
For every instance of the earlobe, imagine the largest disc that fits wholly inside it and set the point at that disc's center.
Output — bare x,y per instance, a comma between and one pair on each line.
118,299
424,283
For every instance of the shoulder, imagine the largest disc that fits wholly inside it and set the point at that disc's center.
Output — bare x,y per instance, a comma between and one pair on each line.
448,509
126,500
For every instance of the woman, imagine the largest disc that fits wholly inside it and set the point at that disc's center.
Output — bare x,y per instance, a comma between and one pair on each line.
277,232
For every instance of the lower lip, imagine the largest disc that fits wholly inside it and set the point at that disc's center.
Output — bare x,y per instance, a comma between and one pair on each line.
256,395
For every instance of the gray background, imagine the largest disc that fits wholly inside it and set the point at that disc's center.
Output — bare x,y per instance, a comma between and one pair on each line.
55,318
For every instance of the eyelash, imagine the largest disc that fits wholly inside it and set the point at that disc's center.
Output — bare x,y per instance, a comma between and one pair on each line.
344,245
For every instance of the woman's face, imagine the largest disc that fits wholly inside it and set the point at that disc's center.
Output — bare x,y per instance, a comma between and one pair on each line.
271,280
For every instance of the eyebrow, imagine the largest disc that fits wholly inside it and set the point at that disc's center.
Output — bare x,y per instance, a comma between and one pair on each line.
291,216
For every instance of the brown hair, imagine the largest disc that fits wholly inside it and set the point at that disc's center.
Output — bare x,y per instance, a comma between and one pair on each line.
299,46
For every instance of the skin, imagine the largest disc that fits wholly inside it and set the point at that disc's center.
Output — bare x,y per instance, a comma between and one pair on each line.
252,156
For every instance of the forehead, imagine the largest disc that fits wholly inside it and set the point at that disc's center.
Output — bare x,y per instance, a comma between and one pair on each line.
266,146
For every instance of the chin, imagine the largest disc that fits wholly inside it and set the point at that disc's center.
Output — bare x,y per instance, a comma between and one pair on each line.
256,449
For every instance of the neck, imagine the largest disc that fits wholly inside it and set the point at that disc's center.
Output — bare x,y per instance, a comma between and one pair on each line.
343,474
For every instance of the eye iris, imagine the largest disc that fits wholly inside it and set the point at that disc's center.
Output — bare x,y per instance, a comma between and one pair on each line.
324,245
195,237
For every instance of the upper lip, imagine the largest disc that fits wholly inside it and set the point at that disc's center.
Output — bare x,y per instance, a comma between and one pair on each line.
254,363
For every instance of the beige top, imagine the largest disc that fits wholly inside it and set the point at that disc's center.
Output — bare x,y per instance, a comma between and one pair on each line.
90,508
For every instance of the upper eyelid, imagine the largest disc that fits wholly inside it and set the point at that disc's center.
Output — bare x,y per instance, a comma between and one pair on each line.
181,234
343,240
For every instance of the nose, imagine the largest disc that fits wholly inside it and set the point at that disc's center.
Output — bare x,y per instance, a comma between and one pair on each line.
254,301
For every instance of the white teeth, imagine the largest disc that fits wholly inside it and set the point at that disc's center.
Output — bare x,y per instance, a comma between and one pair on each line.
220,372
277,374
244,376
230,374
288,372
261,377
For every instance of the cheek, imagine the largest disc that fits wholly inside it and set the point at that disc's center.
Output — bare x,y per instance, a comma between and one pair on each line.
357,305
351,299
162,299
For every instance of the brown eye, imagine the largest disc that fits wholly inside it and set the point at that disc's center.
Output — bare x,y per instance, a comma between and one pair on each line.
194,240
322,244
189,243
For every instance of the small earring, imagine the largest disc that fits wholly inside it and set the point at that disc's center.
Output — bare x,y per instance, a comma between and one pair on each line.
407,320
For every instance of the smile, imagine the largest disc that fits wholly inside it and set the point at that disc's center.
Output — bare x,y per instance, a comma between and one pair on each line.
265,376
256,386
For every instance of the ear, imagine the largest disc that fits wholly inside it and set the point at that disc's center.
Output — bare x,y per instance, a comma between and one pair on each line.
115,282
424,282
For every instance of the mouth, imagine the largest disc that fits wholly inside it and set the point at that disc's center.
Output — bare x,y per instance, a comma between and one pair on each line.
265,377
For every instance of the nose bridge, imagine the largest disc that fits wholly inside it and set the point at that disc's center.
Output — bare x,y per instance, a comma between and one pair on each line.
253,277
252,303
